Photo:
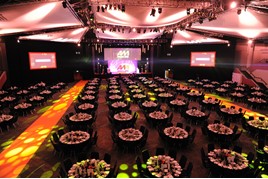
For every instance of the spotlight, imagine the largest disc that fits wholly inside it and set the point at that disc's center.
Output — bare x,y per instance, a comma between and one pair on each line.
98,9
152,12
188,11
233,5
91,18
123,8
102,9
239,11
189,25
159,10
64,4
200,20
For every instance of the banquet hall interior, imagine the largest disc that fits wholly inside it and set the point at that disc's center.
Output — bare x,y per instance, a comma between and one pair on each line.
133,89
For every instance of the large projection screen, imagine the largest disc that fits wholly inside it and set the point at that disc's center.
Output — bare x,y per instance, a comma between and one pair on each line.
122,60
42,60
203,59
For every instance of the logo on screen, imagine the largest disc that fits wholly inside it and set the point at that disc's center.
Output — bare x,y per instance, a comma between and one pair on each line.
123,54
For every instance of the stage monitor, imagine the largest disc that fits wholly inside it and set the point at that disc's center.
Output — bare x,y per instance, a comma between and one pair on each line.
42,60
203,59
122,54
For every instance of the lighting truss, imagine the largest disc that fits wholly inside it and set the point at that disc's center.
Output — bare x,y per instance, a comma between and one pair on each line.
158,3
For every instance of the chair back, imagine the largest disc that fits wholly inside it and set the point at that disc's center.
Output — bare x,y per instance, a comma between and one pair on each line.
160,151
145,155
94,155
107,158
211,147
183,161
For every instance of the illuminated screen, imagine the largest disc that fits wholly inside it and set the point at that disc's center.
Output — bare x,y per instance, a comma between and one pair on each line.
122,54
203,59
122,66
42,60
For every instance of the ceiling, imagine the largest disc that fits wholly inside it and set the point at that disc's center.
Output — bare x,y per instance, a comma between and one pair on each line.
209,21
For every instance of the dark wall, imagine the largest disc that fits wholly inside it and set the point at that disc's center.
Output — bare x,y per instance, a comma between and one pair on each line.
178,60
70,58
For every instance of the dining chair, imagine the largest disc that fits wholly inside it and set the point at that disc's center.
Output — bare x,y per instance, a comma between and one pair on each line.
61,132
188,128
107,158
235,129
67,164
56,146
94,155
204,130
261,118
204,158
227,124
145,155
142,129
94,138
160,151
224,145
192,136
237,149
183,161
55,137
142,172
172,153
250,157
217,121
211,147
188,171
179,124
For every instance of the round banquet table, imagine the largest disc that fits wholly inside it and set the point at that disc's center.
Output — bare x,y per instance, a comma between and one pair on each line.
139,96
122,116
177,104
78,117
5,120
229,113
130,137
220,132
115,97
165,97
228,162
149,106
258,125
176,135
74,140
163,166
8,100
87,98
89,168
158,118
23,108
91,87
86,106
